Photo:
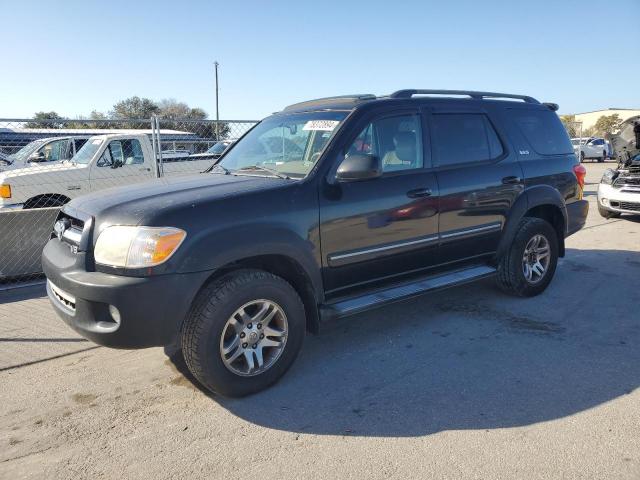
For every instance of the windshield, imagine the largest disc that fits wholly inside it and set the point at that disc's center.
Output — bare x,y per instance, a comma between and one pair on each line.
219,147
286,144
88,150
25,152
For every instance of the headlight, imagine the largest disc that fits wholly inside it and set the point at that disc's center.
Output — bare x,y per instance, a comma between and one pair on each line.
609,176
137,247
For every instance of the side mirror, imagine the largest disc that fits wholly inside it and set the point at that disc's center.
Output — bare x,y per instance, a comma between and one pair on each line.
359,167
116,164
37,157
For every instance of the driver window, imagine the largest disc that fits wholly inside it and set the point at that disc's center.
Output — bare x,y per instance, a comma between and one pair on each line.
396,140
112,155
53,151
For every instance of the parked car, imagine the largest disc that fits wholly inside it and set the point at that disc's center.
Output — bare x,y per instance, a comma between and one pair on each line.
104,161
619,188
215,151
46,150
591,148
324,210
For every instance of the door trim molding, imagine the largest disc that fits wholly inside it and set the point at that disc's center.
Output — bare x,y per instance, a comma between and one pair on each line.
340,259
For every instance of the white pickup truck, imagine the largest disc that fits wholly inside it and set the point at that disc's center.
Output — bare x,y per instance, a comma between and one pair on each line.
104,161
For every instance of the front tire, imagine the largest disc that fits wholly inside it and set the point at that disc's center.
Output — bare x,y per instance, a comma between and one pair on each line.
603,158
243,333
528,266
581,157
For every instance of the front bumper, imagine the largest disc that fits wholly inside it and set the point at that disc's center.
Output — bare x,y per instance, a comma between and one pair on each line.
114,310
619,200
576,215
6,207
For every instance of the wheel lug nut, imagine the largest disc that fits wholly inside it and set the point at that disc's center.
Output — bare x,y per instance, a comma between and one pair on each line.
250,326
242,335
244,345
262,335
254,345
259,326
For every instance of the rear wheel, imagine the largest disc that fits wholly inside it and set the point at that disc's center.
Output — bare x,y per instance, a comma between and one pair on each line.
528,266
243,333
603,158
605,213
581,157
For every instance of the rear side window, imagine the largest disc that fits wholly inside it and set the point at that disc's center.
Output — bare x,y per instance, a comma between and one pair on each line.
463,138
543,130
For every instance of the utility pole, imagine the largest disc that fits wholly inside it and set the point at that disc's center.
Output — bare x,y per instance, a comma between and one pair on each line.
217,111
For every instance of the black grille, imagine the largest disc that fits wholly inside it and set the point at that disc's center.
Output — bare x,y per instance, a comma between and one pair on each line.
632,206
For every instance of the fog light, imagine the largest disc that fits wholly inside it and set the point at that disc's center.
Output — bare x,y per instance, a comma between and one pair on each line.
115,314
604,201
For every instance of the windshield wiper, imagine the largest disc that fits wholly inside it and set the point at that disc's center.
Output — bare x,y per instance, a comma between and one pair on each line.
266,169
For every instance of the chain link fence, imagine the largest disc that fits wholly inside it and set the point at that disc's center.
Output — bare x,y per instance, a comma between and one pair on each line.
46,163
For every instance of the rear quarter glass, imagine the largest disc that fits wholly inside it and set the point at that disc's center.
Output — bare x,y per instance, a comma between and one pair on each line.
542,130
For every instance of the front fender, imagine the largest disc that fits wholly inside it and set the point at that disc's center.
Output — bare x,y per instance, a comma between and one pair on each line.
212,250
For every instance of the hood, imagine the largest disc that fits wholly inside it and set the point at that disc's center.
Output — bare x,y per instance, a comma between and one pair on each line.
625,144
130,204
14,170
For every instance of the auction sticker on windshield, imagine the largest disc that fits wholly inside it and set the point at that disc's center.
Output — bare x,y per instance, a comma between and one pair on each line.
323,125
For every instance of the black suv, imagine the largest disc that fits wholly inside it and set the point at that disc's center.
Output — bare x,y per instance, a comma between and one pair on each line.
326,209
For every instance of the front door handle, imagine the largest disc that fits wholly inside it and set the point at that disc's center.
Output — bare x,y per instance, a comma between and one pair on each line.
511,180
419,192
145,169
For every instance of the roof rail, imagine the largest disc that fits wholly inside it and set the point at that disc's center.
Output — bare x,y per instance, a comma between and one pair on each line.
408,93
341,98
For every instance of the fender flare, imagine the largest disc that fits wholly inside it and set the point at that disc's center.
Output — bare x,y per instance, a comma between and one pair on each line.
218,249
536,196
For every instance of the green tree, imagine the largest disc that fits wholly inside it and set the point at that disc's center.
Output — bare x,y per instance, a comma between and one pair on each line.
134,108
46,120
570,125
607,124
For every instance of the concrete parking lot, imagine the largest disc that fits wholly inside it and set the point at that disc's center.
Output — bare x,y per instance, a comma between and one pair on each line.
466,383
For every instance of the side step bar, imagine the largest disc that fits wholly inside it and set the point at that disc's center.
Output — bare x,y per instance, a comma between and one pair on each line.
353,305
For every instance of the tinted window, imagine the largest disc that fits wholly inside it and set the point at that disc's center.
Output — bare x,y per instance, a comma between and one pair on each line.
543,130
463,138
396,140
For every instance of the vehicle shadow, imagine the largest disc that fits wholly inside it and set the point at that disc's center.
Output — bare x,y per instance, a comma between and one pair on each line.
467,358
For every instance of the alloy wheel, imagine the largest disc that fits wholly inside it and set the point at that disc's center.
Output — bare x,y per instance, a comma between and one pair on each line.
254,337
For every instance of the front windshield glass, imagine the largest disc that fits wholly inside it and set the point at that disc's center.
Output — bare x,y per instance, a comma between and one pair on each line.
285,144
25,152
88,150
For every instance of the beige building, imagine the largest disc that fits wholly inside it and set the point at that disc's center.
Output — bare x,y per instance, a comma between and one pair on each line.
589,119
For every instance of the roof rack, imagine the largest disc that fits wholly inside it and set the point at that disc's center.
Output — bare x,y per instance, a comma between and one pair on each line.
341,99
408,93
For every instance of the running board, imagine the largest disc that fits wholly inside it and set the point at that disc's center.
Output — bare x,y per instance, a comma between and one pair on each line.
353,305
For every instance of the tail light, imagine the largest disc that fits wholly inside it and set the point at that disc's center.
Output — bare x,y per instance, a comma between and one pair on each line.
580,172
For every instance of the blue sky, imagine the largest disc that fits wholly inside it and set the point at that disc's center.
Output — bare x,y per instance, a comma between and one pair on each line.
75,56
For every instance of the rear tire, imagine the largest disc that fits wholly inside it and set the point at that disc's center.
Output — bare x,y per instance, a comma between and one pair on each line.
512,272
603,158
605,213
215,331
581,157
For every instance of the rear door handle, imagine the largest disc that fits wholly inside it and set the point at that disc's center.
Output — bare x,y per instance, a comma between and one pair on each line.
419,192
511,180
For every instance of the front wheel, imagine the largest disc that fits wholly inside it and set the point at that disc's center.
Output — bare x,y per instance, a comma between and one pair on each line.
581,157
243,333
528,266
603,158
